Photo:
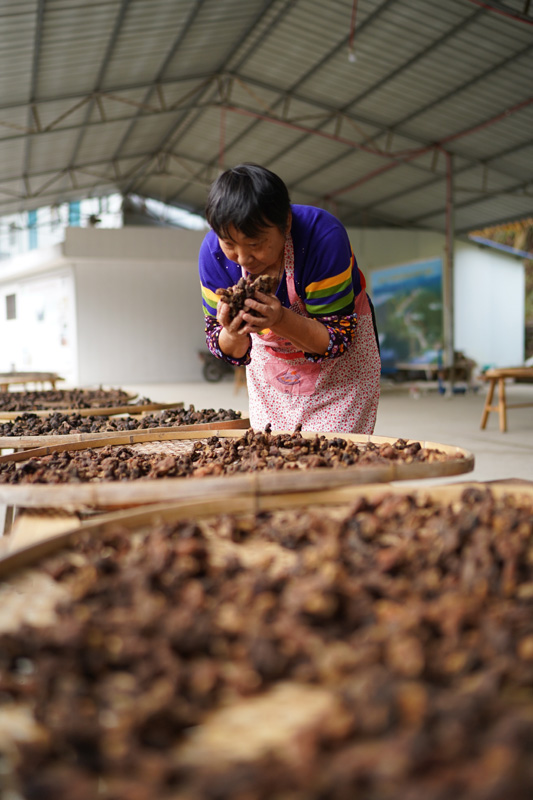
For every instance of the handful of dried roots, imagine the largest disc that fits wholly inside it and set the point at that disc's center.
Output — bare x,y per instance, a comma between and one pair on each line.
243,289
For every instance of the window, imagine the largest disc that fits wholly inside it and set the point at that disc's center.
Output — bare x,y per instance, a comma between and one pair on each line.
11,306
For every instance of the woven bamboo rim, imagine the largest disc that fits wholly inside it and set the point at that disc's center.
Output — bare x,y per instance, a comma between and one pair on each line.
30,442
87,412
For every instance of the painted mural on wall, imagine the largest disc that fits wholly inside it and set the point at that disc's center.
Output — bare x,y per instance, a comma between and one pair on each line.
408,304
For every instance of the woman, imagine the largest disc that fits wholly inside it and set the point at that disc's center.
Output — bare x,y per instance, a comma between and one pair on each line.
311,351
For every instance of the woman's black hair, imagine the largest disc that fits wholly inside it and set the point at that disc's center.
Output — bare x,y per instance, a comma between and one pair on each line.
250,198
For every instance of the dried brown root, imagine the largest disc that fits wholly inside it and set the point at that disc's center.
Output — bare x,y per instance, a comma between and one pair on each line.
235,296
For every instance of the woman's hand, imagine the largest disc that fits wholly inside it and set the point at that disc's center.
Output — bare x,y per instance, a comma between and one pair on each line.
269,311
233,339
305,333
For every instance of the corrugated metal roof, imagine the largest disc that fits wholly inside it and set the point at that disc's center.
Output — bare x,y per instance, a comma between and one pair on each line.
355,103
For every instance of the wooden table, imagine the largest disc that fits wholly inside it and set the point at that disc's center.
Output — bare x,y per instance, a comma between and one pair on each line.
9,378
497,377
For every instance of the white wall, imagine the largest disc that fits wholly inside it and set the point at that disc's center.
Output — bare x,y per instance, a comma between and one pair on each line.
138,304
42,337
489,306
377,247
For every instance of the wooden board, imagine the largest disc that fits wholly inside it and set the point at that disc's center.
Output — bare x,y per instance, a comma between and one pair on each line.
30,442
30,528
124,494
11,378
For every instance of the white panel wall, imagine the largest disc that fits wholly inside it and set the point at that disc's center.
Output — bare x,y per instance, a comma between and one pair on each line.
489,306
139,309
42,337
143,243
375,248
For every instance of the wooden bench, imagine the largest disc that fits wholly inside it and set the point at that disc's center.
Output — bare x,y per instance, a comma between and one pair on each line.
10,378
497,377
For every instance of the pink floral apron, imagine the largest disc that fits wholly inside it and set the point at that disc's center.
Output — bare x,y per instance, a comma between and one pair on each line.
338,394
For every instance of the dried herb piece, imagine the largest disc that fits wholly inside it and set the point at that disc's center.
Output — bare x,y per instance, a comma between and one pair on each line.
245,288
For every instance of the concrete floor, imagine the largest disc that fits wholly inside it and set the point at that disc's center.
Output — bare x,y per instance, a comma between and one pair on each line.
414,411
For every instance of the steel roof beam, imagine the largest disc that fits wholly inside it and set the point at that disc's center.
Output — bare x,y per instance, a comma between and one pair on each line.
328,56
415,154
440,144
37,41
106,162
398,157
506,10
466,203
369,122
307,131
466,85
411,188
164,65
51,127
393,128
440,177
117,181
221,68
303,99
415,59
61,98
100,78
344,109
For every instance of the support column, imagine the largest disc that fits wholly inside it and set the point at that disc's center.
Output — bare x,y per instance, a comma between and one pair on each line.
222,139
448,278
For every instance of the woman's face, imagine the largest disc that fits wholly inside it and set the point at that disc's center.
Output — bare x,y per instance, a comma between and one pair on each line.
258,254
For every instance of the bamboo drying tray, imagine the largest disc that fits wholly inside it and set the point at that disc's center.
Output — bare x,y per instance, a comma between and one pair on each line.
31,597
109,411
30,442
123,494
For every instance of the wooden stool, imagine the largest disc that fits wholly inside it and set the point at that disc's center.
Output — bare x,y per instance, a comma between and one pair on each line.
498,376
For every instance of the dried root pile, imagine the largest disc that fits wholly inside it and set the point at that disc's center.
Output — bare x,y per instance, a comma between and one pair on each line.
65,398
63,424
217,456
244,289
382,651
